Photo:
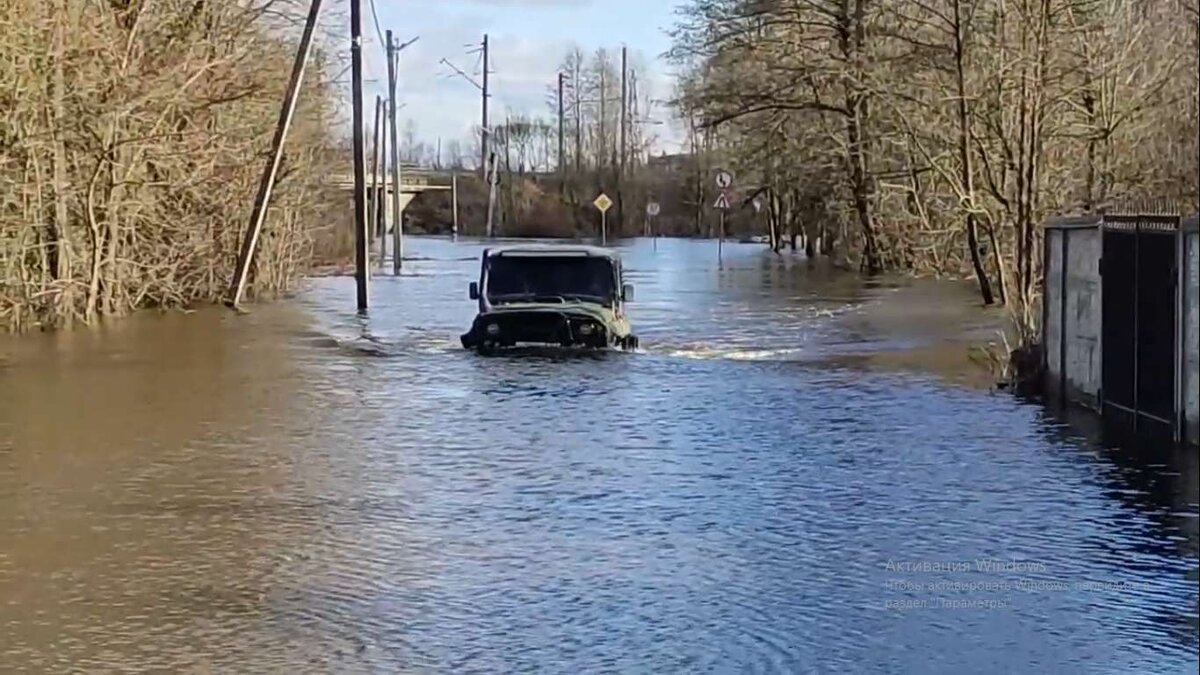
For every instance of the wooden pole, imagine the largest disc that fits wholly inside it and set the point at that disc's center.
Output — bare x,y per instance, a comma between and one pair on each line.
493,172
506,207
562,160
397,215
483,144
237,286
601,131
624,120
578,122
381,209
373,215
454,205
361,268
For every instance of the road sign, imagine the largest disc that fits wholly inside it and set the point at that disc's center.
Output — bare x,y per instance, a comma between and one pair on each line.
602,202
722,202
652,209
724,179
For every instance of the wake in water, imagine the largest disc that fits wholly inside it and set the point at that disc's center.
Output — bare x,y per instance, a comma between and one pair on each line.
734,353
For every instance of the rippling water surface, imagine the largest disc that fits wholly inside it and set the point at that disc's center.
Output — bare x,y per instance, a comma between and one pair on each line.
793,475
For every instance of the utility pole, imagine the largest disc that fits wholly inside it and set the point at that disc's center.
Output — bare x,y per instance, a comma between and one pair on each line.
361,270
484,154
578,128
492,177
454,204
624,114
381,208
483,146
507,205
695,143
603,135
237,286
397,217
621,134
562,163
373,216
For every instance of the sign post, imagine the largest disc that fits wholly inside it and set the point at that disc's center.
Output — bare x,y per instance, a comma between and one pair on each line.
603,204
724,181
722,205
652,210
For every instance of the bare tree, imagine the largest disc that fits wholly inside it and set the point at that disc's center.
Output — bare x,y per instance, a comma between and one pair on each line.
957,124
125,156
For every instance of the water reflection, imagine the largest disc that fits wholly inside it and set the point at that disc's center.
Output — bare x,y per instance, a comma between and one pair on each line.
303,488
1158,484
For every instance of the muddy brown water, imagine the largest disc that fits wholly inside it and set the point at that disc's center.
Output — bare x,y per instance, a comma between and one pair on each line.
798,472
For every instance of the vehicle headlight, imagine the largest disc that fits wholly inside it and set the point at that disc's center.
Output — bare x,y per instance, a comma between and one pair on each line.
587,329
493,329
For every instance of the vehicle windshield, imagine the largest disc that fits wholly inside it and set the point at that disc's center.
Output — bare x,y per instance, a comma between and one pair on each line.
549,279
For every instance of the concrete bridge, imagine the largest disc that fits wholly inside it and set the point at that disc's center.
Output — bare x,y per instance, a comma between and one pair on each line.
413,181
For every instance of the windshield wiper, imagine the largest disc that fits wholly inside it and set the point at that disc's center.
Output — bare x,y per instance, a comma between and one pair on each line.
587,297
527,297
548,297
508,297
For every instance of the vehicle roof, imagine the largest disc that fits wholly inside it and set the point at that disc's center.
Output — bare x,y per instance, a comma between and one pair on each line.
549,249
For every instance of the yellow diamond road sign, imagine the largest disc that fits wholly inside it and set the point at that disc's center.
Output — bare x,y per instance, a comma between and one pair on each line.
602,202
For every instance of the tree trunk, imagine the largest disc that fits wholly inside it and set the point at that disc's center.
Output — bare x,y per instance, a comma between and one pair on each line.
964,153
856,106
60,254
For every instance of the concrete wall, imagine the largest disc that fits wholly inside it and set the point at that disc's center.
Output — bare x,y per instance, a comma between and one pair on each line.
1082,328
1071,333
1052,314
1071,329
1191,324
405,199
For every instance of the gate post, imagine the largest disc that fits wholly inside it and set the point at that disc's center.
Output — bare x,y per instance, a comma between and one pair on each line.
1180,276
1063,294
1189,373
1137,324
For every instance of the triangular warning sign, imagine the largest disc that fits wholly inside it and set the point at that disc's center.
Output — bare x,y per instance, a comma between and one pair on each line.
722,202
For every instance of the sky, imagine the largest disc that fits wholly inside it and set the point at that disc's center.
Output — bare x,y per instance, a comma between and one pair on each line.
527,40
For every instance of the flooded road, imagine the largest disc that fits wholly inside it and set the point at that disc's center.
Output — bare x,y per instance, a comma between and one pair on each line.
795,474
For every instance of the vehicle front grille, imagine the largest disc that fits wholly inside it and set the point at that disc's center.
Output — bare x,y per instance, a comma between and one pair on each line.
551,327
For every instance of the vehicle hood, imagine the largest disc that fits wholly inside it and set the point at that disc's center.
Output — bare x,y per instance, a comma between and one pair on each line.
575,308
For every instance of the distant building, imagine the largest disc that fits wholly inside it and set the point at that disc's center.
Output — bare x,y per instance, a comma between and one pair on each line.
676,163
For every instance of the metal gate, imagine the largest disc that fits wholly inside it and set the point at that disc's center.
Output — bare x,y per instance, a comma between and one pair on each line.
1139,325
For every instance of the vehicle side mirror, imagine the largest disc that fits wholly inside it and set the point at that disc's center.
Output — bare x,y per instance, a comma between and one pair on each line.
473,290
627,292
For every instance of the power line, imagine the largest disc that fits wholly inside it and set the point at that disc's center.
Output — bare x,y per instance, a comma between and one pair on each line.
461,74
378,30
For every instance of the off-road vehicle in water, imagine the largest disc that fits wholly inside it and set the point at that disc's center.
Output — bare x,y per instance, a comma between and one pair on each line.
550,295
